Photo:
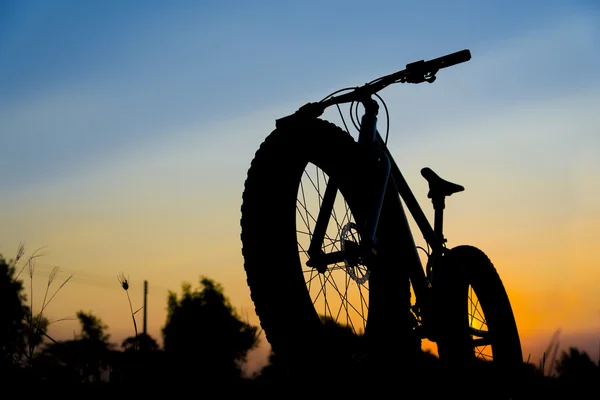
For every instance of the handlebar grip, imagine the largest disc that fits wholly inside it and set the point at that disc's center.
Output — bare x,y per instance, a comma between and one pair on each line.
438,63
450,59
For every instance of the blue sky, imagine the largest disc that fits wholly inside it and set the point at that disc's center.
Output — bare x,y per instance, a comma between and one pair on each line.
127,128
103,76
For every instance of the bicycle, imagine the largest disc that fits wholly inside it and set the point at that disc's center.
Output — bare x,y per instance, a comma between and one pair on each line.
357,245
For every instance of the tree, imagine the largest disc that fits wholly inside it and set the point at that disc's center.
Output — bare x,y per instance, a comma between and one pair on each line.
141,342
83,359
92,328
140,362
22,330
12,316
204,336
577,367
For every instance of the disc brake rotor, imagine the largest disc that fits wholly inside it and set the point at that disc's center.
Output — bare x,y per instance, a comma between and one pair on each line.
350,240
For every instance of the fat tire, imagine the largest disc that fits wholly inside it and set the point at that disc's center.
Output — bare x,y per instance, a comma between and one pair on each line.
460,267
270,251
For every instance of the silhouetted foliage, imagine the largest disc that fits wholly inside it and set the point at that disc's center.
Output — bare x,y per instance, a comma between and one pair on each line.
82,360
140,362
13,312
204,338
205,342
576,366
273,371
141,342
92,328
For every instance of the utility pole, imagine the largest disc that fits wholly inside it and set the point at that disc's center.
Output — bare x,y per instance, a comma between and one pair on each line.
145,304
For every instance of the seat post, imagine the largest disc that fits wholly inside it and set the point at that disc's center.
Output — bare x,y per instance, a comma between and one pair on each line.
438,190
439,204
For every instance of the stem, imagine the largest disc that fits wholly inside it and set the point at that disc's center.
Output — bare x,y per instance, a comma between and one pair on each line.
60,287
30,318
45,296
133,317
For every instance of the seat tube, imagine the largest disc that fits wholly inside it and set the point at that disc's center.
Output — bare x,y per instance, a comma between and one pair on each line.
368,139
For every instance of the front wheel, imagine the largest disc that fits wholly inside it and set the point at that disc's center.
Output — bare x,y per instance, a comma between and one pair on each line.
475,324
331,308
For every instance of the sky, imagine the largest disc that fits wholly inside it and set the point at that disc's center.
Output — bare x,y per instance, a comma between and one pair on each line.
127,129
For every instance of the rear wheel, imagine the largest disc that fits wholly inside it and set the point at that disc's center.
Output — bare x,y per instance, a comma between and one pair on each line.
476,328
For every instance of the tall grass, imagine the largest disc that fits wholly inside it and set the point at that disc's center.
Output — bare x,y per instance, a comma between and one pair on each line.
125,285
36,324
548,368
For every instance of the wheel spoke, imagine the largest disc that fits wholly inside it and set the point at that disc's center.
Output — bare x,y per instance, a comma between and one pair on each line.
320,196
306,221
333,291
481,340
474,308
335,287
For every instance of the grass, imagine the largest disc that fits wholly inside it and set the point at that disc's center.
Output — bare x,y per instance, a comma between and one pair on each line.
37,324
548,369
125,285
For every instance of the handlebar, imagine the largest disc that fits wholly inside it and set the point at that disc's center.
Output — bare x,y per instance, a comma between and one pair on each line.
450,59
415,72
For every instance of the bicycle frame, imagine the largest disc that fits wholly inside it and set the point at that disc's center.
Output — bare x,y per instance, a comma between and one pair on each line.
370,135
387,177
390,177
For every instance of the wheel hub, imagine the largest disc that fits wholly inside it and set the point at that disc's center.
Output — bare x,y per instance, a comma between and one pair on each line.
350,239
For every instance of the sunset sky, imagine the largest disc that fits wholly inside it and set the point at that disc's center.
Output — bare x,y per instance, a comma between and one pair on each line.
127,129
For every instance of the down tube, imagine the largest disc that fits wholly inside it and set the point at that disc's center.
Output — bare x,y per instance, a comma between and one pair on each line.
409,249
390,319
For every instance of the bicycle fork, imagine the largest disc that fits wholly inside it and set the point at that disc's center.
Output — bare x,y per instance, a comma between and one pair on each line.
379,177
368,139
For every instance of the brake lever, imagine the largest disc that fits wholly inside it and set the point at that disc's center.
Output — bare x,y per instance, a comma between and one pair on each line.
414,77
430,77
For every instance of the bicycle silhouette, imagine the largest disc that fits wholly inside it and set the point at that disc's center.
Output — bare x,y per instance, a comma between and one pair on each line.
325,238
